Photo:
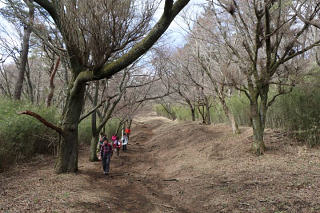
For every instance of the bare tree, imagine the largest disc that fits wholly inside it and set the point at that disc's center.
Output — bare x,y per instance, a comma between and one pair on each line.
111,94
192,76
262,38
184,91
5,81
211,58
24,52
101,38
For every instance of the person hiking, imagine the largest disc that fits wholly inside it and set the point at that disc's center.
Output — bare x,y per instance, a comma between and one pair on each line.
116,144
102,137
106,154
124,140
127,131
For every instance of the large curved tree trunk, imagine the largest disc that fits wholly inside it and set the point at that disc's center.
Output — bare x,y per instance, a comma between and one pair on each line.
68,151
68,148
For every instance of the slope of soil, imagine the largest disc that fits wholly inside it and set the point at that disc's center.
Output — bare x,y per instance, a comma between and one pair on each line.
174,167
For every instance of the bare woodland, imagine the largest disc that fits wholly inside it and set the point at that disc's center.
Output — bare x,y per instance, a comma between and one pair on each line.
221,96
88,59
99,39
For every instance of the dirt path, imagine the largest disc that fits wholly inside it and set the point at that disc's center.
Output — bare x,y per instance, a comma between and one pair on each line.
174,167
134,185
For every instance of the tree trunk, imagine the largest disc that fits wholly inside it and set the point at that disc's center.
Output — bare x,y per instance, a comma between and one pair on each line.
202,113
51,84
38,95
258,123
191,107
208,117
234,124
93,147
193,113
169,110
258,146
6,87
95,133
68,149
24,56
29,83
229,114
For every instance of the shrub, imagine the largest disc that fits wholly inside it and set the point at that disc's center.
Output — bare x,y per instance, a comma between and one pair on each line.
298,113
85,131
22,136
173,109
111,127
239,105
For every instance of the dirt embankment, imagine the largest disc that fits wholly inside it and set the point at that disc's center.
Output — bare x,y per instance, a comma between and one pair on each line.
174,167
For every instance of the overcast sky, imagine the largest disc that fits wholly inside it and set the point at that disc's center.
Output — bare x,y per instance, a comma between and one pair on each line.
175,35
177,30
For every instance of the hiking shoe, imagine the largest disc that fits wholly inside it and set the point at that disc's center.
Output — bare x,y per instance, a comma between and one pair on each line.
106,173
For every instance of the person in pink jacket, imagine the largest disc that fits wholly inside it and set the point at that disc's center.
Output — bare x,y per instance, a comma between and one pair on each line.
116,144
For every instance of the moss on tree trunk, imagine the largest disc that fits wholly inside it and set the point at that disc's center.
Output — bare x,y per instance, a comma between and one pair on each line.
68,148
258,124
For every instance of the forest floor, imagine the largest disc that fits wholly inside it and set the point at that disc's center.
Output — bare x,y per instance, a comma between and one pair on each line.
174,167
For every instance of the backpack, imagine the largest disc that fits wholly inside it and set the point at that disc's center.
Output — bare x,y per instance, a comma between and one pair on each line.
118,144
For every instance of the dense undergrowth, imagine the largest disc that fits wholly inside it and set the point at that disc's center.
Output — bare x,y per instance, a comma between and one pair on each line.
85,131
298,113
22,136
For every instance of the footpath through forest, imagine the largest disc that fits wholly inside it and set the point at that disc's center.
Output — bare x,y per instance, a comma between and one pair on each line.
174,167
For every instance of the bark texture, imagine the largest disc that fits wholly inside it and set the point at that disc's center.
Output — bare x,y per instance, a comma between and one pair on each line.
24,55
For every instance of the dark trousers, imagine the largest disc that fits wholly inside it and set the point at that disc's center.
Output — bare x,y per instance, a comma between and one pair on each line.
118,151
124,147
106,163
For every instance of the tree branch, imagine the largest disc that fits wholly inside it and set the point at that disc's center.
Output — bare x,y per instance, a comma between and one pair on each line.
42,120
92,111
137,51
280,93
51,85
48,6
308,21
144,84
283,60
152,98
98,106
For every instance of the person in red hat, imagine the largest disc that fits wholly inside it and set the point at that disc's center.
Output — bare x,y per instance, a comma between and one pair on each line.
127,131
